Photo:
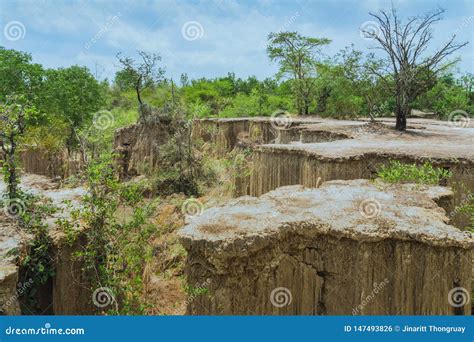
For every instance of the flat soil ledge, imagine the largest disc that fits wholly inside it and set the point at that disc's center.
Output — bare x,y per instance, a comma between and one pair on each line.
360,210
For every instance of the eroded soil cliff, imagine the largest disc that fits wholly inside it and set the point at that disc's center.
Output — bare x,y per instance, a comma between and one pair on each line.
297,250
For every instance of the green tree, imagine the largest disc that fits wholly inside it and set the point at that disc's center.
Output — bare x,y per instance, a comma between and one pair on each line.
445,97
140,75
296,56
467,81
13,116
73,95
18,75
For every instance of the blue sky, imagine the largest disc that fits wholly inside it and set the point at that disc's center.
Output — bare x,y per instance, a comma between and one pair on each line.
202,38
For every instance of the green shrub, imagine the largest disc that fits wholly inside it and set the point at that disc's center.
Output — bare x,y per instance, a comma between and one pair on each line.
397,172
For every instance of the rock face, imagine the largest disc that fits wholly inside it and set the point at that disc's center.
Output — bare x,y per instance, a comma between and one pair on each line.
68,292
226,133
348,247
314,150
310,153
11,244
50,164
71,293
138,147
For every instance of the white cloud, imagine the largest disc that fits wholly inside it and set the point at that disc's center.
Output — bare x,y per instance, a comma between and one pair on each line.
234,32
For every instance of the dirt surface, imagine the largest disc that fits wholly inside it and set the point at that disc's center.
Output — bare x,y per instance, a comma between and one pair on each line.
13,240
326,250
424,138
403,212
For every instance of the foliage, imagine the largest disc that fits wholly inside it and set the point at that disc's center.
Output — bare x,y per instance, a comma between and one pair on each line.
446,96
193,291
18,76
296,56
73,95
468,208
14,114
114,219
139,76
397,172
38,265
181,169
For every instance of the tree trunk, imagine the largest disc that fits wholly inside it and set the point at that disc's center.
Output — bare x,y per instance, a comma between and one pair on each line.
12,186
402,108
306,108
299,105
401,124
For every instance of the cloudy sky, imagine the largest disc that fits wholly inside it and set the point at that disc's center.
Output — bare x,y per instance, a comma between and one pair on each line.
202,38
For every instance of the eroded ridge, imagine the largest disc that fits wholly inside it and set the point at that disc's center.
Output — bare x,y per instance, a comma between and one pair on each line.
348,247
67,292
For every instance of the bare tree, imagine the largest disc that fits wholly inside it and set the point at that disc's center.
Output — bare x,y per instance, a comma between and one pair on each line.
411,68
142,74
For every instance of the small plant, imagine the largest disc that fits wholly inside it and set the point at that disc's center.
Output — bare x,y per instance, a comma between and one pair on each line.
467,207
38,264
397,172
116,225
193,291
14,114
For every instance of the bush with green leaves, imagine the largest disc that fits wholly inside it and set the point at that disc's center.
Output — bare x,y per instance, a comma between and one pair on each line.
37,265
398,172
114,219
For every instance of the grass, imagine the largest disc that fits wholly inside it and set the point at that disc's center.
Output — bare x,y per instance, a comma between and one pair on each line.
398,172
